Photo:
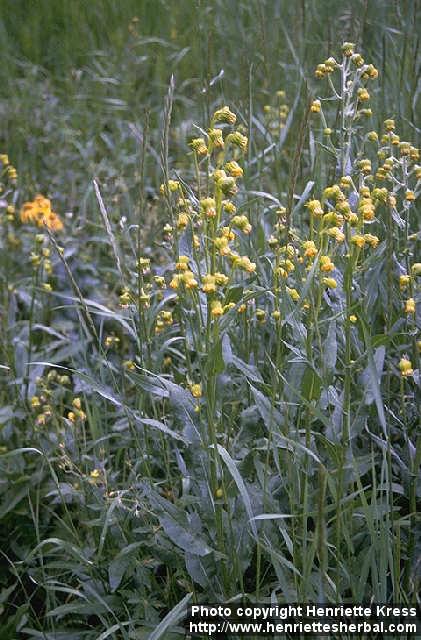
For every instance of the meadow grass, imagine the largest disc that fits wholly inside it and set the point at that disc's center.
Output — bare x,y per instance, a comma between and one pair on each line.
210,334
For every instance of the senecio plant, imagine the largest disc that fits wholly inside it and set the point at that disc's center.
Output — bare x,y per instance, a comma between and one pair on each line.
261,382
295,322
300,315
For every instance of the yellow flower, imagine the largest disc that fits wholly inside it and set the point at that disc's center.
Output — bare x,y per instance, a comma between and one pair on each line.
310,249
321,70
125,297
404,280
189,280
196,390
365,165
247,265
315,208
224,115
221,279
405,366
371,72
183,263
316,106
238,140
41,419
330,282
363,94
373,241
333,192
353,318
276,315
171,187
221,243
35,402
404,148
209,284
345,182
199,145
335,232
409,196
38,211
416,269
216,138
348,49
293,293
358,240
260,315
372,136
410,305
207,207
216,308
357,59
233,169
229,207
160,281
227,185
326,264
380,194
182,221
414,153
95,474
242,223
175,282
144,298
166,317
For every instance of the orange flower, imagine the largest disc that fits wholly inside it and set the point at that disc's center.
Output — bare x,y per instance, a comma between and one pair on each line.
38,211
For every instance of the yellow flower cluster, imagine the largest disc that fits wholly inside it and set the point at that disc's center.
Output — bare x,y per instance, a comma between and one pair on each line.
39,212
275,116
405,367
7,168
215,235
76,414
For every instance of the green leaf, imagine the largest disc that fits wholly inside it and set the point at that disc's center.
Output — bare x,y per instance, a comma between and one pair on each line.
269,414
311,384
232,468
183,538
248,370
374,375
176,614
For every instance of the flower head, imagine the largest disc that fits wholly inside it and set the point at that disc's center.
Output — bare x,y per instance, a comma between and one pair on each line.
405,366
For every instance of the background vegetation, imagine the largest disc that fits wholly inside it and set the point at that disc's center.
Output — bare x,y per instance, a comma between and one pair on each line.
109,522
